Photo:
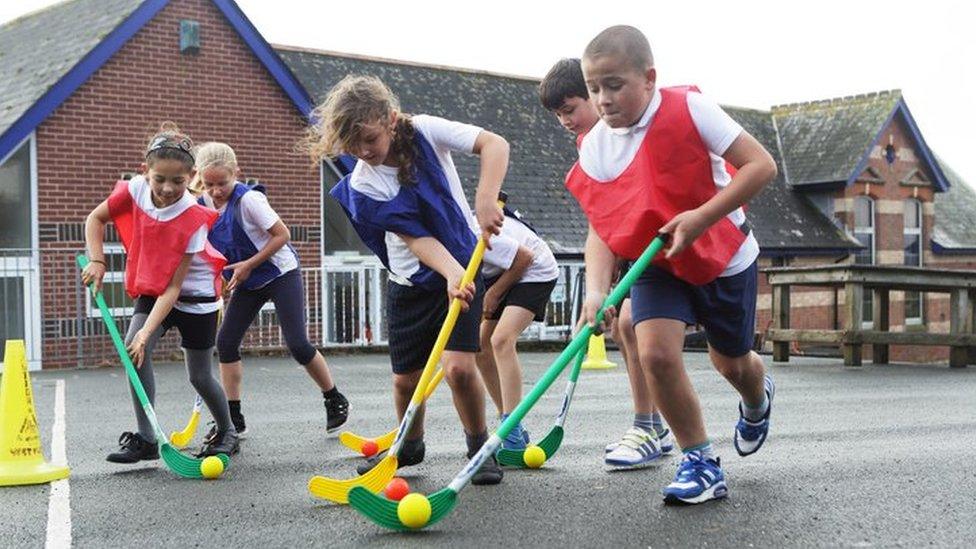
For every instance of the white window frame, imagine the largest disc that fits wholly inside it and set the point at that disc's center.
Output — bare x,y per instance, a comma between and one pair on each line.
29,265
110,277
917,231
870,230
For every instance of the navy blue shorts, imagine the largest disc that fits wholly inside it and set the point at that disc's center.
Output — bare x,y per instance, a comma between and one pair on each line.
415,316
725,307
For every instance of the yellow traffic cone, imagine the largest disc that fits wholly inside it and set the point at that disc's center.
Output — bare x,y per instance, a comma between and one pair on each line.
21,459
596,355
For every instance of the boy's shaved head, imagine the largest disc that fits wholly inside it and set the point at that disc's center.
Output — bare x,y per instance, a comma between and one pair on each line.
623,41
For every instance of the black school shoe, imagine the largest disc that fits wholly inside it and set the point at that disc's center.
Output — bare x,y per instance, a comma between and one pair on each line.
134,449
489,473
226,442
336,412
412,453
239,425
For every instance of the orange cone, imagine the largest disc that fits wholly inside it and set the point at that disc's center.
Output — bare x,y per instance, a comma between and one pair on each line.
596,355
21,458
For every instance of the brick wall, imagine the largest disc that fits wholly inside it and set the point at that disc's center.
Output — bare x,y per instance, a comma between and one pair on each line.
222,93
889,185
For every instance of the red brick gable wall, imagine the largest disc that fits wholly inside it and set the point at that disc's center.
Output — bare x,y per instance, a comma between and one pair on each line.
885,184
222,93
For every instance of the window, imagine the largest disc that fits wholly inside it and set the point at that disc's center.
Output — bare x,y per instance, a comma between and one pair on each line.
913,257
113,285
337,231
864,233
15,200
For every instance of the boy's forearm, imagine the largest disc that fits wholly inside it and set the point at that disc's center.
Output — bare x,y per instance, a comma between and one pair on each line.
511,276
432,253
755,169
599,262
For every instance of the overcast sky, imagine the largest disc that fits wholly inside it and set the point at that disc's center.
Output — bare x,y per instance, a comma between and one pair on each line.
751,53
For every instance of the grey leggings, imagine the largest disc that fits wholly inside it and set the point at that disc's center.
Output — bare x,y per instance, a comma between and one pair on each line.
198,368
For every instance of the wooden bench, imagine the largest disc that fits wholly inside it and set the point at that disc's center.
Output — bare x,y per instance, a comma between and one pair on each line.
881,280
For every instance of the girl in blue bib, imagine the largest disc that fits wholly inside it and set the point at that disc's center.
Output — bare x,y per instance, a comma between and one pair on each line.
405,200
261,266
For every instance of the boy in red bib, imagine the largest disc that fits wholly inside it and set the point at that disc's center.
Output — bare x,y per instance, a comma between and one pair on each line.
647,441
656,162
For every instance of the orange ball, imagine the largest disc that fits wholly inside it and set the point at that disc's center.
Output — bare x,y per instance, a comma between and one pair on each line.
370,448
396,489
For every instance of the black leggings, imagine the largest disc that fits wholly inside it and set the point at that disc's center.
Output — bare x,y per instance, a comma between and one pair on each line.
289,300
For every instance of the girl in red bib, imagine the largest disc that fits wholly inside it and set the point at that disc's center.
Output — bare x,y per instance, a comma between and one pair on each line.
172,273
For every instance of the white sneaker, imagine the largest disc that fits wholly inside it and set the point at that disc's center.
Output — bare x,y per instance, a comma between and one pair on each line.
666,438
636,449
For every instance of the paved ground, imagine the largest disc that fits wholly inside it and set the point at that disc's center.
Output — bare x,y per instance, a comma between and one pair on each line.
875,456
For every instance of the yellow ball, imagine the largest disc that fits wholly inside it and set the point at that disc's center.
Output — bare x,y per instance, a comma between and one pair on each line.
211,467
414,510
534,457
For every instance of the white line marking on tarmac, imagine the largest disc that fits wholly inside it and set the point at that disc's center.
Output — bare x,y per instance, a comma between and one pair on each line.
59,505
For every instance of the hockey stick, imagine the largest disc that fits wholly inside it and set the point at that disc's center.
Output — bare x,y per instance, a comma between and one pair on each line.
376,479
383,442
182,438
180,464
549,443
384,512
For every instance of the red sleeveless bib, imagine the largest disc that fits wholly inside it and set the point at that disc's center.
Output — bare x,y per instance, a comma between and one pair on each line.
155,248
671,173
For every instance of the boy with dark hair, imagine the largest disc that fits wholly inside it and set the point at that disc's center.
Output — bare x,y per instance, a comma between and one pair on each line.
563,92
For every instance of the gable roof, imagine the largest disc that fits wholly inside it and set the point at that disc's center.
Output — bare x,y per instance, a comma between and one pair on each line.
38,49
955,216
782,218
829,141
45,56
823,141
541,150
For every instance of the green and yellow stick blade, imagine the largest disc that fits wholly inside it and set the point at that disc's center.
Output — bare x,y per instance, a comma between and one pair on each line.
549,444
383,512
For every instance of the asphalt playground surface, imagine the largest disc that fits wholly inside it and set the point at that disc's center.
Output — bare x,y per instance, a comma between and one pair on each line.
874,456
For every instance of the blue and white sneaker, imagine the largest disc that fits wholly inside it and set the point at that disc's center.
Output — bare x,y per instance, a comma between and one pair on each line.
638,448
749,436
517,439
698,480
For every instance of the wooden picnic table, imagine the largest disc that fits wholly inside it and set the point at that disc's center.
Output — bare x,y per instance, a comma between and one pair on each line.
881,280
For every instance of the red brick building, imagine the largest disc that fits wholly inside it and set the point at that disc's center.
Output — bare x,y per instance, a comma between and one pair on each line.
83,84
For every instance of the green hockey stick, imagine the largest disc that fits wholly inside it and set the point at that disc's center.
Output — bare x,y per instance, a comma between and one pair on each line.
180,464
385,512
549,443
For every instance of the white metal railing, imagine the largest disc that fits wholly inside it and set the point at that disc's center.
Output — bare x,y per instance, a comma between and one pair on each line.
43,302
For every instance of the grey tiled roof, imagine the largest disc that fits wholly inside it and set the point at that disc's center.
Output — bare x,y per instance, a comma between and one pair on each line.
541,150
36,50
955,213
823,141
781,217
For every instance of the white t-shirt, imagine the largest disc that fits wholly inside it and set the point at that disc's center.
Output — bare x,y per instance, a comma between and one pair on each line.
380,182
199,279
257,218
505,245
606,152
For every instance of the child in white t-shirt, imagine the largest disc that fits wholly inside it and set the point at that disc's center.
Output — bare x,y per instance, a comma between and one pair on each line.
262,267
520,273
